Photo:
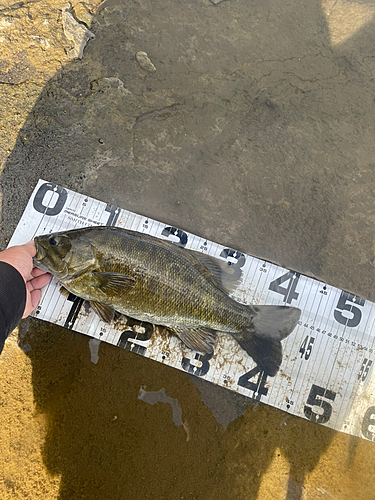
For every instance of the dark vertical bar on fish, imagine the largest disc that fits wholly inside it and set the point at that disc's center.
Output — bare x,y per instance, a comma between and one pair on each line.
77,302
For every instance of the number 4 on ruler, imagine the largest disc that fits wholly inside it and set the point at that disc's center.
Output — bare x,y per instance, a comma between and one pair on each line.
258,388
289,291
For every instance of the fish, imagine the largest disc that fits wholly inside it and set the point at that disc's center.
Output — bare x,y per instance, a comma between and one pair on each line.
119,271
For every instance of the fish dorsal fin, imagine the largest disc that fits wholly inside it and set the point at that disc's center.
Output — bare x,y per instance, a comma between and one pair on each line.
199,339
105,313
113,283
219,272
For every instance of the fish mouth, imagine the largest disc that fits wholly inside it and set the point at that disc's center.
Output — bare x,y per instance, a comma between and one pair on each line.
40,252
39,256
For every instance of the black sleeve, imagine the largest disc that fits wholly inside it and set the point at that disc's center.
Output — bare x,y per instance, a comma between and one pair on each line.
12,300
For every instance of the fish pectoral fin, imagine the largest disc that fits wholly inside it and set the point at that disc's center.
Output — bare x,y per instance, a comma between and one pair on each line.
199,339
113,283
105,313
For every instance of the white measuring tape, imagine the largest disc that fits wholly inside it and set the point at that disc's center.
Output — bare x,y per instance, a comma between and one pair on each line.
326,374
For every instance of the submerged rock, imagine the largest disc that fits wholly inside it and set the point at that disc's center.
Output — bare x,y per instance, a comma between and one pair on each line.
144,61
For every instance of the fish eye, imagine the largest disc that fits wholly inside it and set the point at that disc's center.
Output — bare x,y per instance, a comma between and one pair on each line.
53,241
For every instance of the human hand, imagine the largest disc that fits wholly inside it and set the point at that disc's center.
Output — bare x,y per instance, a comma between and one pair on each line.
21,258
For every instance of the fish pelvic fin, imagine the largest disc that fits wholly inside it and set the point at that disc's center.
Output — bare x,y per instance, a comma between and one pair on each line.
198,339
105,313
262,339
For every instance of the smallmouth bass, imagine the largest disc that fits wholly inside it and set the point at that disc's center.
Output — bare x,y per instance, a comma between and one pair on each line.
153,280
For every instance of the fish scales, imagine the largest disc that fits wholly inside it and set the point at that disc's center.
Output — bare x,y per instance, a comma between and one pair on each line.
168,289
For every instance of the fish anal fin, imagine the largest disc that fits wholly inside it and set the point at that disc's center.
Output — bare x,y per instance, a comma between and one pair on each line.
113,283
105,313
198,339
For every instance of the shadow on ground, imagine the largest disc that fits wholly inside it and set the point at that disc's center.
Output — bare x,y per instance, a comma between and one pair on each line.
106,443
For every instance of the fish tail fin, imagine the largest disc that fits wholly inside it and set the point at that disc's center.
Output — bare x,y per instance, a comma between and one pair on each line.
262,339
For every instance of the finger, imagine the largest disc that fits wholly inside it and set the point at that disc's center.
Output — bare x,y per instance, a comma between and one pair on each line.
35,298
37,272
32,301
28,306
38,282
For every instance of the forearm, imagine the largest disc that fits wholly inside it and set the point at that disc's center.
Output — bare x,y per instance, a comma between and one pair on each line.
12,300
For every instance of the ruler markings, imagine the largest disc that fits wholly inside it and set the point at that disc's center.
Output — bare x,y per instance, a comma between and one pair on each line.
326,380
349,387
264,266
310,377
309,353
353,368
38,230
292,344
